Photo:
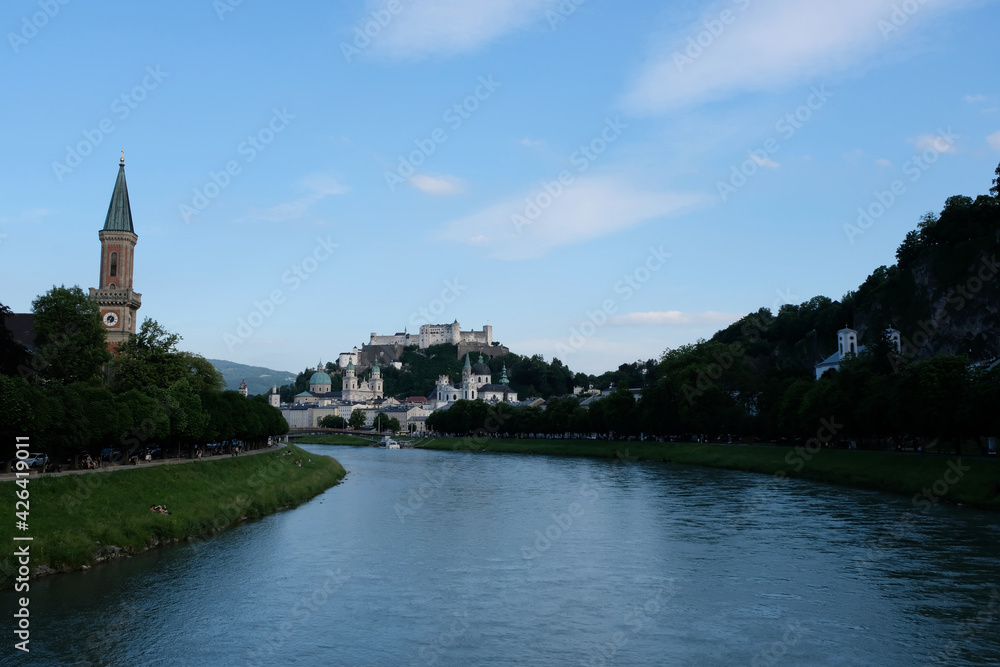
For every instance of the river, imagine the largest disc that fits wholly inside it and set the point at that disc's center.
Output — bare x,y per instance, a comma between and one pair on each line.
437,558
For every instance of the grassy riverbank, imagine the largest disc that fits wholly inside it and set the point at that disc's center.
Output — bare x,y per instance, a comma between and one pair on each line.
907,474
76,520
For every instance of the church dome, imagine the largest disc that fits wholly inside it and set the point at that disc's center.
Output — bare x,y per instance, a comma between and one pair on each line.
319,377
481,368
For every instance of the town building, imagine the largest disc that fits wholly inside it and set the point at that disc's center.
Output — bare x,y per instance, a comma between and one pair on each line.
847,345
477,383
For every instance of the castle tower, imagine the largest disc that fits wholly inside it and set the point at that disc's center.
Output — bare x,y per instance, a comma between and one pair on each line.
274,398
243,388
847,341
114,294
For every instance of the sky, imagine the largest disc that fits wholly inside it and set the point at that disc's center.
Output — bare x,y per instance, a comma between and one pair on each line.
598,181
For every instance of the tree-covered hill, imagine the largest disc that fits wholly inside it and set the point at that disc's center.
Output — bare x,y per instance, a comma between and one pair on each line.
259,379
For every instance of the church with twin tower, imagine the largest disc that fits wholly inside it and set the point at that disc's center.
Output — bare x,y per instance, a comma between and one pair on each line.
114,295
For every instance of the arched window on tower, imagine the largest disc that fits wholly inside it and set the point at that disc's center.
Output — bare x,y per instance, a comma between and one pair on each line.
114,265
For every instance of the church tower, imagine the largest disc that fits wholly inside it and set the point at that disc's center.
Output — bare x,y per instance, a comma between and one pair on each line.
114,294
376,381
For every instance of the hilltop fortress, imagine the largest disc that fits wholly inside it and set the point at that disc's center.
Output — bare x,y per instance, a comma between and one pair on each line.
387,350
436,334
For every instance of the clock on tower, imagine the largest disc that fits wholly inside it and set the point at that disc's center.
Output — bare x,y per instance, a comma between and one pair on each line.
115,297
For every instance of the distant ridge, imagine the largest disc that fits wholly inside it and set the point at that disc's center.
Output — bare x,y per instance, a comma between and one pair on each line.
259,379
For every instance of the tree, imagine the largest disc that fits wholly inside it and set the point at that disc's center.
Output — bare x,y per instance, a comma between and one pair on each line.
385,423
13,355
357,419
70,342
995,190
333,421
150,359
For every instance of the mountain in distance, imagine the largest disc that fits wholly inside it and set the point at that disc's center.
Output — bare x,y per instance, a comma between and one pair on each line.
259,379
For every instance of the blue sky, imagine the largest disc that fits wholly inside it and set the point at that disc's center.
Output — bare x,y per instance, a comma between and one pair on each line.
598,182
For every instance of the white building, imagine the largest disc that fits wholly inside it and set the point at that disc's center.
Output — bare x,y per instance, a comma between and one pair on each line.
349,357
477,382
356,390
847,345
440,334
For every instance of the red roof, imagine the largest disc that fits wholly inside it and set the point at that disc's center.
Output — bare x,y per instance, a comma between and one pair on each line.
416,399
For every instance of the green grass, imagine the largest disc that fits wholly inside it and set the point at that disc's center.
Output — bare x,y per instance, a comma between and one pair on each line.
907,474
73,517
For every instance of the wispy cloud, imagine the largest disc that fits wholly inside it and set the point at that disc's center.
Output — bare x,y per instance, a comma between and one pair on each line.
316,186
882,162
765,161
934,142
531,143
994,141
675,318
972,99
437,186
28,216
590,208
447,27
766,46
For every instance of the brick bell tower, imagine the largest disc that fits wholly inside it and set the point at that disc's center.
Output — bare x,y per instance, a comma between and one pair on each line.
114,296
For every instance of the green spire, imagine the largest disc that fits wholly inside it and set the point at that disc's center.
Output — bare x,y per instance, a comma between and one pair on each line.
480,357
350,365
468,364
503,375
375,368
119,217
